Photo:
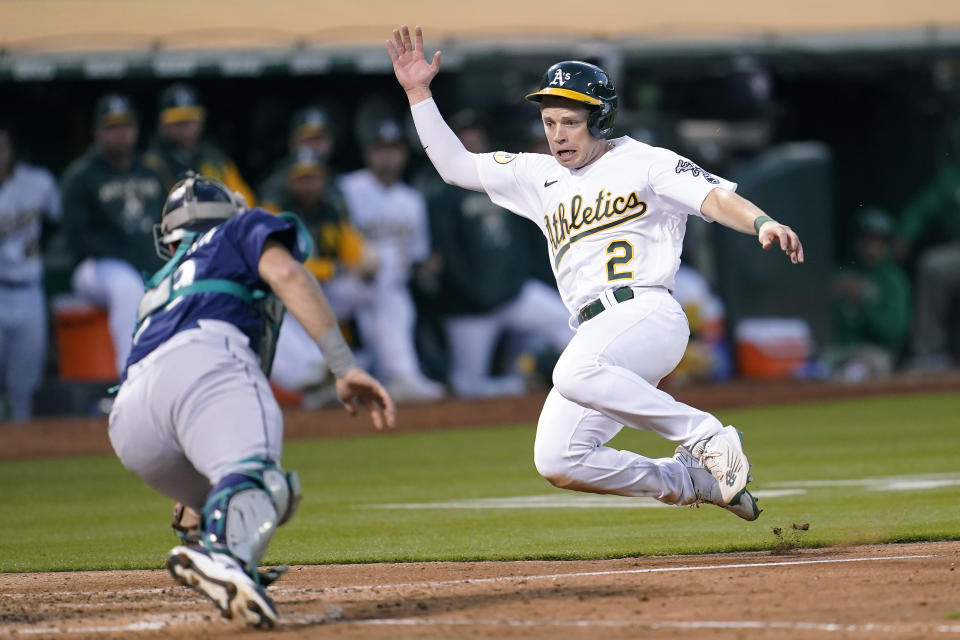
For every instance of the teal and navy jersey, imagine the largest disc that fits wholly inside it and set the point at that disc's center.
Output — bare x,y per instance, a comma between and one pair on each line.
230,251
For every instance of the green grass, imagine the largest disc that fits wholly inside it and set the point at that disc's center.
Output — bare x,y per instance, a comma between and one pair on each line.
90,513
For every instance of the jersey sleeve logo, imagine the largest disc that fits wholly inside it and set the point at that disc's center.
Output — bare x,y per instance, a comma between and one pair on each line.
686,165
502,157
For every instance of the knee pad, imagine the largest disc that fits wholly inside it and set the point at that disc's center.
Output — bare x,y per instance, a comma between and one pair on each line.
244,509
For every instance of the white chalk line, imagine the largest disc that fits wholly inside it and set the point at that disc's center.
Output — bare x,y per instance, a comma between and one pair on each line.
153,622
441,583
150,622
668,624
581,574
773,490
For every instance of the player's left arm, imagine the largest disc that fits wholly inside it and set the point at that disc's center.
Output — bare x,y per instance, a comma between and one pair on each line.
302,296
738,213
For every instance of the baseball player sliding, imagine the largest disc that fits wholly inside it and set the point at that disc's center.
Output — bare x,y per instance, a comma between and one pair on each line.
614,214
195,418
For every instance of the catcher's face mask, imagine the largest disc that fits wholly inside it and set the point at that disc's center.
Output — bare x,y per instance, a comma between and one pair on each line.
195,203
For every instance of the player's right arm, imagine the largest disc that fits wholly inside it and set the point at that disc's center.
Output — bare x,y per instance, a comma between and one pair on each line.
302,296
738,213
453,162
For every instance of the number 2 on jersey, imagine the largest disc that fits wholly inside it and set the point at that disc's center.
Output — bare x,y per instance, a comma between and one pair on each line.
622,252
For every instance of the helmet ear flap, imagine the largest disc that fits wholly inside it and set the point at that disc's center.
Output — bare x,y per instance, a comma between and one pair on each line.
600,121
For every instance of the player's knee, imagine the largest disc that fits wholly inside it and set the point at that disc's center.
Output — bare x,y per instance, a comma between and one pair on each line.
936,265
570,380
553,463
124,283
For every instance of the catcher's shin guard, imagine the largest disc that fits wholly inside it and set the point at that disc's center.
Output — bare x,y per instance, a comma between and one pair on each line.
244,509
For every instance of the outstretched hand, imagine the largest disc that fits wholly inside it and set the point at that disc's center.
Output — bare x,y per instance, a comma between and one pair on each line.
357,387
772,231
410,66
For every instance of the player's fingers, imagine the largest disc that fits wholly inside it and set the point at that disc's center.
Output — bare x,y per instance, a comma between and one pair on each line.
398,40
405,34
389,408
390,413
418,43
375,416
793,241
436,60
799,252
350,407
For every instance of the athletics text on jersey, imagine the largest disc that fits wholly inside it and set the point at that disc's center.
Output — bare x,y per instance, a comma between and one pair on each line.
618,221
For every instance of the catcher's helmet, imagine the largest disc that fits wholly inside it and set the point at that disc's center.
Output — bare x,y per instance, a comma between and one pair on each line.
584,83
196,203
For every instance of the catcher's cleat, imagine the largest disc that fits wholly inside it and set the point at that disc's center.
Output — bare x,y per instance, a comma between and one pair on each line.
271,575
222,579
722,455
708,490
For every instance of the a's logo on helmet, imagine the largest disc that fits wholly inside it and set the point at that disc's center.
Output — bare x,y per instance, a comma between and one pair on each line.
560,77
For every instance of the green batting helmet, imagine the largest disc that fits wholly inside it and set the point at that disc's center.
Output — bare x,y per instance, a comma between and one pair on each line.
584,83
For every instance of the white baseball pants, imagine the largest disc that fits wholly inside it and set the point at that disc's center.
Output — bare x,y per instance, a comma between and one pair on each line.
23,346
472,339
196,405
605,379
116,285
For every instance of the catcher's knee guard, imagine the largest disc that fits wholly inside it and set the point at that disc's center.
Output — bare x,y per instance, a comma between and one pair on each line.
246,506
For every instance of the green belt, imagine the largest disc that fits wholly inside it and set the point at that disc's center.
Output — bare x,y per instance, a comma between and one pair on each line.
595,308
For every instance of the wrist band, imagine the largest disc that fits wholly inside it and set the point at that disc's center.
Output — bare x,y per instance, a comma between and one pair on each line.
336,353
760,221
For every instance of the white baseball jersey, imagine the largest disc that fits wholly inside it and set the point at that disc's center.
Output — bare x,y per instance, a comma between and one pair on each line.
392,219
618,221
26,197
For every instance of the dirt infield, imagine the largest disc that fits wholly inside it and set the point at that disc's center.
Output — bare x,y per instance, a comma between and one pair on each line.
879,591
54,438
882,591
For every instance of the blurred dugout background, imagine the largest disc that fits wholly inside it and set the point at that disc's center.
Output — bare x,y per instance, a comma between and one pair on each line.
816,109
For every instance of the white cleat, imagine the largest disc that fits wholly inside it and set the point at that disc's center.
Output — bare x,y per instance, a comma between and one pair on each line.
221,578
722,454
707,488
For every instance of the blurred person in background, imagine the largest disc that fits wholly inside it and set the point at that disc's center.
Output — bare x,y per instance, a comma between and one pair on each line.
486,287
179,147
111,200
707,356
28,199
309,130
392,217
340,261
934,212
871,306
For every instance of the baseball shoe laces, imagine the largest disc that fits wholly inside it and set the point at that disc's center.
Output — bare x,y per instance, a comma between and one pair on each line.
220,578
722,455
707,489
